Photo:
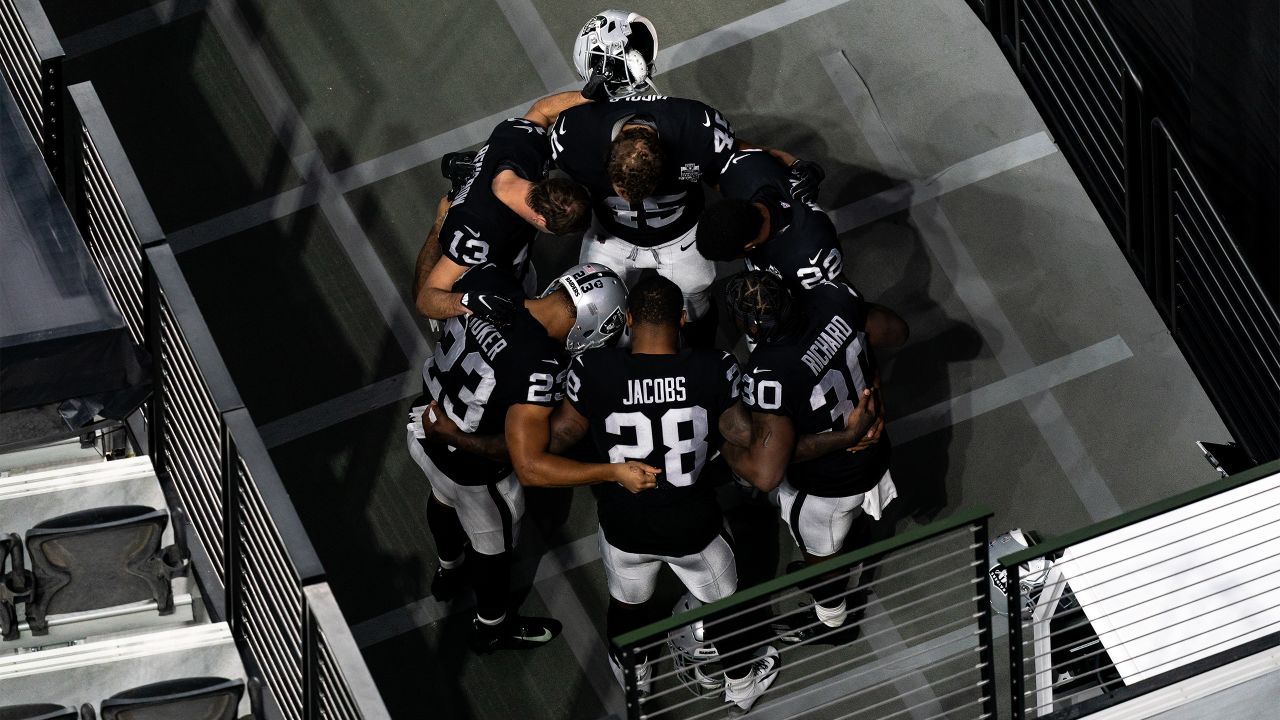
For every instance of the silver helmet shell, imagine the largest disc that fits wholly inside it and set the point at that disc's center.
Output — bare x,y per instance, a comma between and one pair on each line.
1031,574
690,652
621,46
601,301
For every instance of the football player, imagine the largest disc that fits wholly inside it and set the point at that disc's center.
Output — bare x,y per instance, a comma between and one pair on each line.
761,219
813,364
661,405
502,199
643,160
482,377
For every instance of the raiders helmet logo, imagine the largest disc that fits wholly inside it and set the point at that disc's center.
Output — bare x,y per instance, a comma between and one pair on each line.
613,323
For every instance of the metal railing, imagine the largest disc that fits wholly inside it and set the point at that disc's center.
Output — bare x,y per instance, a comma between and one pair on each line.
1146,192
110,208
917,641
1092,101
1217,310
1145,599
31,60
254,563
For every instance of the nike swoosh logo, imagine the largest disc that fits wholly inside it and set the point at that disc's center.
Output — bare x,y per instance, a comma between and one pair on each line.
734,160
560,129
757,369
686,247
473,232
553,362
814,260
707,121
545,636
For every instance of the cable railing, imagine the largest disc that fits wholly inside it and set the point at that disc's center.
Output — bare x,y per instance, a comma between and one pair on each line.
255,566
1146,599
1218,312
1147,193
916,640
31,61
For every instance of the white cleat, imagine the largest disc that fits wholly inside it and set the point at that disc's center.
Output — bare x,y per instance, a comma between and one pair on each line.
744,692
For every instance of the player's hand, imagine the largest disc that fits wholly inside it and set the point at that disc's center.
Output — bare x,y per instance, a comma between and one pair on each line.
636,476
866,421
806,176
494,308
437,426
442,207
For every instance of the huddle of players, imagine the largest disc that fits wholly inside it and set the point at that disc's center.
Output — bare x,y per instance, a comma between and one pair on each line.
515,380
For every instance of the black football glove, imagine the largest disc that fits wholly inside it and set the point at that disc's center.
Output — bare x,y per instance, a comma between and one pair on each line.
806,176
494,308
594,89
457,167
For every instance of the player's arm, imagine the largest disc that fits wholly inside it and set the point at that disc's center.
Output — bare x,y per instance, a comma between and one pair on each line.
764,461
736,428
435,274
884,328
438,427
545,111
568,426
529,440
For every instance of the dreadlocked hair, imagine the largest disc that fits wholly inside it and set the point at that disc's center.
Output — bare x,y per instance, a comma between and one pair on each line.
760,303
635,163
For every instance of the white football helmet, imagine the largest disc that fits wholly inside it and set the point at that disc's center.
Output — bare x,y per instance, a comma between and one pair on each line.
620,47
1031,574
690,652
601,299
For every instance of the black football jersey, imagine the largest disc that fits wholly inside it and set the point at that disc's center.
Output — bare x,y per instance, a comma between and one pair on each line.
478,370
815,377
479,228
802,248
697,141
663,410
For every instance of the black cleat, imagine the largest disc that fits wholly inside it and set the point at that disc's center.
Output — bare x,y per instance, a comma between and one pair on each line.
806,628
514,633
446,582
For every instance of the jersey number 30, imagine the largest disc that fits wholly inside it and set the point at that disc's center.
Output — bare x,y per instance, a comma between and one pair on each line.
677,447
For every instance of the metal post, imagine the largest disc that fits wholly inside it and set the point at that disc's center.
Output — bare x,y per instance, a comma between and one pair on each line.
986,638
1017,696
626,656
230,529
51,118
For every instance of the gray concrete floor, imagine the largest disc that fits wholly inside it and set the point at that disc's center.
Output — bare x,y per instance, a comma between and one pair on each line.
1038,380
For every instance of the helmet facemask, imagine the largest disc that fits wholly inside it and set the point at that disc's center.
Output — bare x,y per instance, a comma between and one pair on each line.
618,49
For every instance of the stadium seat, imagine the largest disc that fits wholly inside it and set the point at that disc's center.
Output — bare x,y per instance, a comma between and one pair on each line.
15,585
100,558
41,711
200,698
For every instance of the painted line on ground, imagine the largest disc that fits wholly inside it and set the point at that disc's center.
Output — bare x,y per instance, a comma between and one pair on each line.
580,633
475,132
971,288
539,45
127,26
1015,388
966,172
883,636
331,412
286,121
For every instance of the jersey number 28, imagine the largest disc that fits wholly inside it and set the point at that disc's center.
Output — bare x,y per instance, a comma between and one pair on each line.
677,446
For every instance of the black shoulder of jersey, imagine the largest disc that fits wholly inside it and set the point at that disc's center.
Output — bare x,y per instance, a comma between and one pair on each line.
521,146
490,278
749,172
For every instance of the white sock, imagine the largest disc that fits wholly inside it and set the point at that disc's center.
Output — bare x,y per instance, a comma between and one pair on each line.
831,617
451,564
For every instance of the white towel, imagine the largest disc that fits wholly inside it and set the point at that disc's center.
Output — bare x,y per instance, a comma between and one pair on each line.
875,500
415,421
